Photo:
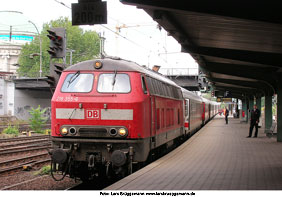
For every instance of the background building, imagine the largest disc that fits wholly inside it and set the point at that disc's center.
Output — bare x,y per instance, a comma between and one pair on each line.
15,30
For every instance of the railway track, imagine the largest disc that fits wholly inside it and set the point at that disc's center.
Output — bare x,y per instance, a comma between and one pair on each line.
23,151
18,163
14,139
11,146
24,143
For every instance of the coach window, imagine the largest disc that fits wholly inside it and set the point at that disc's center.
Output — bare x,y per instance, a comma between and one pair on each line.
144,87
76,82
113,83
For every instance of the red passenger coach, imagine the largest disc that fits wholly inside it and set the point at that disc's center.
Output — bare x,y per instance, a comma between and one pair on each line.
109,114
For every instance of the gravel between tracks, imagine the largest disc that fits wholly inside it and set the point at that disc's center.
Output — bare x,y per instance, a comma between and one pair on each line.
34,182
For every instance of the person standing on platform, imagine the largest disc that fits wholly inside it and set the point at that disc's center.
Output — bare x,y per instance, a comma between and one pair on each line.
255,114
226,115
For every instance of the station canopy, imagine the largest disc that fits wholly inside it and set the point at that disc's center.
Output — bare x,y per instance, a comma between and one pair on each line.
237,44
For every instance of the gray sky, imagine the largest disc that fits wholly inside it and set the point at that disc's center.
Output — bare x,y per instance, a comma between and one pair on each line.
144,43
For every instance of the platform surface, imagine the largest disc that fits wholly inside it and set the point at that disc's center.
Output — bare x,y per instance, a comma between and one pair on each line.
217,157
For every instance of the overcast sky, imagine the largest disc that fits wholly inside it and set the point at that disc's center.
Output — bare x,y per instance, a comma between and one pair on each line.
144,43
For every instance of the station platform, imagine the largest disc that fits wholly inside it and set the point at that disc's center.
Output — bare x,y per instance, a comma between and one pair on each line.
217,157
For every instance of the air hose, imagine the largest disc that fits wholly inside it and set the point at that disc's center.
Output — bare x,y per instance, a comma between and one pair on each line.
65,172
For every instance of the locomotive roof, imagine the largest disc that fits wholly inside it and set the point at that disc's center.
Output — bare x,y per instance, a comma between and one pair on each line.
119,65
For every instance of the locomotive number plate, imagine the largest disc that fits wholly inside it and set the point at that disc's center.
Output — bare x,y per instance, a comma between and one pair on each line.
93,114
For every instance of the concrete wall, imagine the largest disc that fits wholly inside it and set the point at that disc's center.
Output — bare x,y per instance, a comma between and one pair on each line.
6,97
26,99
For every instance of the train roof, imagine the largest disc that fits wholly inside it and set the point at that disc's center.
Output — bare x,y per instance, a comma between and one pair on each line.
119,65
190,95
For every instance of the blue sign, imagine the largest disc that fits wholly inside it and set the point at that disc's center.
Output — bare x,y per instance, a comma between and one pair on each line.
16,38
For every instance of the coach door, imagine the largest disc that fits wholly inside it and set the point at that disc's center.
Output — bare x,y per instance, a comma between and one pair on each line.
153,121
153,113
187,116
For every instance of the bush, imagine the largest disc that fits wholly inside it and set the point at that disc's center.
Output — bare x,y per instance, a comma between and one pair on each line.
11,130
44,170
37,119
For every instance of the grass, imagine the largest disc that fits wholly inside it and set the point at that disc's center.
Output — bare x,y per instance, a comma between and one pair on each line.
43,171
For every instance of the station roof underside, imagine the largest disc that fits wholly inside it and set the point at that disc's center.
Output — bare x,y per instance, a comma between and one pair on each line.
238,44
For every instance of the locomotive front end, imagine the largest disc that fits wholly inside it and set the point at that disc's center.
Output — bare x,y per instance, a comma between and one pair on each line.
97,120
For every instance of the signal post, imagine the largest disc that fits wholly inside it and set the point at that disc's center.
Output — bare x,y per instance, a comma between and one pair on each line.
57,49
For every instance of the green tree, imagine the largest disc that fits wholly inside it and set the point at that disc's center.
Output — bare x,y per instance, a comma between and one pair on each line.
37,119
85,43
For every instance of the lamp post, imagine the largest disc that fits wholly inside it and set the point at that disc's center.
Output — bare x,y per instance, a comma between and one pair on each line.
40,45
71,51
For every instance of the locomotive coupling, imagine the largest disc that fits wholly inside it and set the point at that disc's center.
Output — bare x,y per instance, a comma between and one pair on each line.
59,155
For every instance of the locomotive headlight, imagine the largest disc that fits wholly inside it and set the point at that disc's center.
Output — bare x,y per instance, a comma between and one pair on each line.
98,64
122,132
64,131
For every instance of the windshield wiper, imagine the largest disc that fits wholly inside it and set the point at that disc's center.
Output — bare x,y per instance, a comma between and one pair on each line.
72,113
114,79
73,77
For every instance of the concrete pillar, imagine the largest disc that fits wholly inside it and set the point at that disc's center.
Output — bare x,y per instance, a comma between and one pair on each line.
251,104
279,113
268,113
258,103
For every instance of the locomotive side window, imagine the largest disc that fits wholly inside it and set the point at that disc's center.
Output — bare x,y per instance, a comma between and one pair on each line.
150,85
114,83
159,87
144,87
76,82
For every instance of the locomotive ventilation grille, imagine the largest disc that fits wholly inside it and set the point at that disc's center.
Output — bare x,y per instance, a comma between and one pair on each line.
93,132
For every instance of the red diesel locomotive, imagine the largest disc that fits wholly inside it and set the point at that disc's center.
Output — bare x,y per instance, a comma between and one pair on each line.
109,114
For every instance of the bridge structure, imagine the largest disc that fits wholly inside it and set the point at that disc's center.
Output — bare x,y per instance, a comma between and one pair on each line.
187,78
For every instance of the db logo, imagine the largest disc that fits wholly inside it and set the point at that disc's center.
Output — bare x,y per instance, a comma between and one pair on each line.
92,114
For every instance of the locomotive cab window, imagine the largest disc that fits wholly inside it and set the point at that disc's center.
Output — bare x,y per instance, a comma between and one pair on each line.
76,82
113,83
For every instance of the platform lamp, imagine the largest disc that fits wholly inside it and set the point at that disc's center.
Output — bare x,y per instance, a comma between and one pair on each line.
40,45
